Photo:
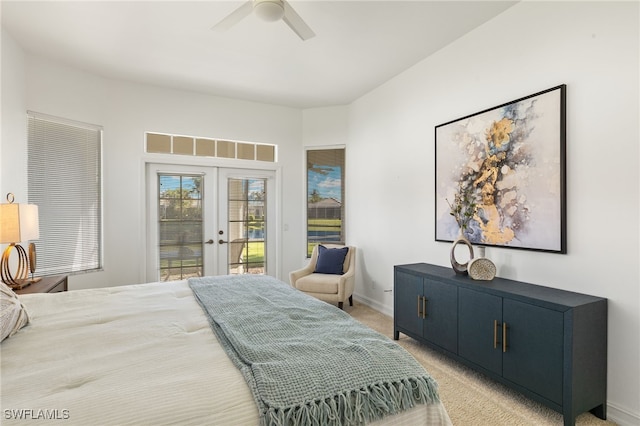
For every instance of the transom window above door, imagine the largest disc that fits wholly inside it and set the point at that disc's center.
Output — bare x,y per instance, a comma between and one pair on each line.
162,143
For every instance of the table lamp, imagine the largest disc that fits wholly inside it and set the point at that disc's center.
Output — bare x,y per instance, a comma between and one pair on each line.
18,223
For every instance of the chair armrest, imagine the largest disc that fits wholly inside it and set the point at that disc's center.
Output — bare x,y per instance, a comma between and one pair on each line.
296,275
346,284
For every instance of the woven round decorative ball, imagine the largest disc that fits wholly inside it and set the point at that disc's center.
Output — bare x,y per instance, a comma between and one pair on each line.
481,269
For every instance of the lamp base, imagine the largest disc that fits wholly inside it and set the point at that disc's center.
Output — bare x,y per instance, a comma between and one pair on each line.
20,280
20,284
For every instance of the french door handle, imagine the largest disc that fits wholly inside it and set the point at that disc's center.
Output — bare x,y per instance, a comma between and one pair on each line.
221,241
210,241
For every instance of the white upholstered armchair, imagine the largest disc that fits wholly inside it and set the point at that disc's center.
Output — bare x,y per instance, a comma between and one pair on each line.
326,277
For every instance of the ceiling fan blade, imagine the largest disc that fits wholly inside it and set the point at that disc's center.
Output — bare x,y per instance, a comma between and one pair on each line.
234,17
295,22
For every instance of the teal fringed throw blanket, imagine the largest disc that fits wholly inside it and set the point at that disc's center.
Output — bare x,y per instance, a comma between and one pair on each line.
307,362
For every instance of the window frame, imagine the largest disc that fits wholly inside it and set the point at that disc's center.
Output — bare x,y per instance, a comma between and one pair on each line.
308,191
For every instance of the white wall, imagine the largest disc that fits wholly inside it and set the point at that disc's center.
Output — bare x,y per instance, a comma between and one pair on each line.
13,123
325,126
592,47
126,111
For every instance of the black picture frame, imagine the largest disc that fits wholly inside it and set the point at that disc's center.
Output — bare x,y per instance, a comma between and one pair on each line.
510,161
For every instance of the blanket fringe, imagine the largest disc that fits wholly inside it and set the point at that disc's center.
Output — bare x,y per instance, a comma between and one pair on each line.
356,407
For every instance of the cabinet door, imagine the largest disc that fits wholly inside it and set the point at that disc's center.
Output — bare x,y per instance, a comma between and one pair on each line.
476,332
441,314
534,348
407,302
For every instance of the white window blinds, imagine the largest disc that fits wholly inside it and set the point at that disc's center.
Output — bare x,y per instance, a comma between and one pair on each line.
65,182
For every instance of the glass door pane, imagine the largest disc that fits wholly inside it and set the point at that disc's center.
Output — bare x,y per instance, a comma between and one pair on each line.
246,225
247,221
180,226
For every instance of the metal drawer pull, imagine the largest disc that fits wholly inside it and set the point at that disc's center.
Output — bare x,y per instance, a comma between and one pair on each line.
422,313
504,336
495,334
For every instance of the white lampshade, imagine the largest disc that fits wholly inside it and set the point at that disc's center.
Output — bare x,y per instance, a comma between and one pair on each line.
18,222
269,10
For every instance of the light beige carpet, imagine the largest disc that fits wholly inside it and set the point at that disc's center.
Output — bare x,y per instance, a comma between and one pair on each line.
470,398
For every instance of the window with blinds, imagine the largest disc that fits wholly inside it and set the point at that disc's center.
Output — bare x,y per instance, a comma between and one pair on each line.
325,197
65,182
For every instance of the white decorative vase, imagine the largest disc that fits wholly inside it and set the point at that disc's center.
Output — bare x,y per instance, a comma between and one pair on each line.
481,268
460,268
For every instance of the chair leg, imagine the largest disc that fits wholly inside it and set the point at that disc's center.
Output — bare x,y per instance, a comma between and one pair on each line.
340,305
351,300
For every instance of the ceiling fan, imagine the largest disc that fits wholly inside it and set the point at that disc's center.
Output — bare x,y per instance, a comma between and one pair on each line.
268,10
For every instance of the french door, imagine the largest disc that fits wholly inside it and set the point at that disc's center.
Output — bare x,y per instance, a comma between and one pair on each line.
209,221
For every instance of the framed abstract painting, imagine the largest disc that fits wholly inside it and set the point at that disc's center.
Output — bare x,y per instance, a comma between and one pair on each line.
503,172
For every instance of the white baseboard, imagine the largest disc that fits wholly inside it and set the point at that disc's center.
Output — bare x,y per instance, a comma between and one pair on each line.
615,414
621,416
373,304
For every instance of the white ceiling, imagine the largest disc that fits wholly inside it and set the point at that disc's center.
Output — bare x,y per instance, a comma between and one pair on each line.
358,44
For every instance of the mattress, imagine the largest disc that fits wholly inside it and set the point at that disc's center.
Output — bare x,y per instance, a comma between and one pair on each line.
131,355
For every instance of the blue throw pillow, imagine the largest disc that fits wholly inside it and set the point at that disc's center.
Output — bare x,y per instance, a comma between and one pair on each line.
330,261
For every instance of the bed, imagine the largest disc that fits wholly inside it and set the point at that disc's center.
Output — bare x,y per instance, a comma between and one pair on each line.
148,354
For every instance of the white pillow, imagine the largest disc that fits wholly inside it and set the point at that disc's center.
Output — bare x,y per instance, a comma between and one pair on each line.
13,315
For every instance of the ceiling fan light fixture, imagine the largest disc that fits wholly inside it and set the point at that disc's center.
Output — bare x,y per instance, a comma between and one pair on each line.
269,10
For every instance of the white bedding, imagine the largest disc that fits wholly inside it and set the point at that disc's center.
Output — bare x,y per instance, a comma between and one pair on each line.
139,354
